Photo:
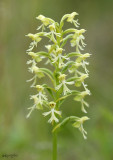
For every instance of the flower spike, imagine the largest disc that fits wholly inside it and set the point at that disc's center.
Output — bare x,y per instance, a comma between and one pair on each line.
67,70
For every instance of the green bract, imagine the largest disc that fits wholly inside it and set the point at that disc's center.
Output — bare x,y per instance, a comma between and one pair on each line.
68,69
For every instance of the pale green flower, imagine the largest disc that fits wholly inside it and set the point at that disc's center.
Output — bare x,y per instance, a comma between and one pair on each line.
52,27
50,48
74,67
80,80
34,37
79,124
59,58
63,83
77,39
81,59
37,104
39,98
46,21
80,97
35,56
70,18
53,112
52,34
36,70
32,45
41,95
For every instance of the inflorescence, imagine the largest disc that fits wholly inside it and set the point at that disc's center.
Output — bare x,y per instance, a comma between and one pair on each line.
67,69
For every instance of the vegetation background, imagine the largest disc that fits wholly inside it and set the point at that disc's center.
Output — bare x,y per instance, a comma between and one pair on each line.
31,138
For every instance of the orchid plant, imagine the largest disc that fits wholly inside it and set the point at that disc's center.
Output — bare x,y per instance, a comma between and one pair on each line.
63,69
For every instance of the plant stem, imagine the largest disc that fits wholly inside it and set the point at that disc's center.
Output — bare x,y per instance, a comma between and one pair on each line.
54,146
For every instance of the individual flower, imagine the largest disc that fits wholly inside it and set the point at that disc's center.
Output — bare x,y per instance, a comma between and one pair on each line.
34,37
46,21
52,34
36,70
37,104
52,28
59,58
31,46
81,59
80,80
70,18
74,67
41,94
79,124
35,56
80,97
53,112
77,39
50,48
39,99
63,83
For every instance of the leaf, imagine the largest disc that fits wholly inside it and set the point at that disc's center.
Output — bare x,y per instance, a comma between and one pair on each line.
42,53
64,122
65,39
66,66
73,92
69,30
49,73
49,89
61,98
73,79
73,54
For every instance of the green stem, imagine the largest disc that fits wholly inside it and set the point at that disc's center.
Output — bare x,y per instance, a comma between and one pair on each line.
54,146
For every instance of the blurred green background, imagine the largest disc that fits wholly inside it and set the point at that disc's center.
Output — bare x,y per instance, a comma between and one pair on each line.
31,138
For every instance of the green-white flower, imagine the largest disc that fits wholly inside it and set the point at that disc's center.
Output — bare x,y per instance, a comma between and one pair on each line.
63,84
79,124
53,112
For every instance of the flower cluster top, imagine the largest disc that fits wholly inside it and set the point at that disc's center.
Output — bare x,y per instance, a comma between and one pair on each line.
67,71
